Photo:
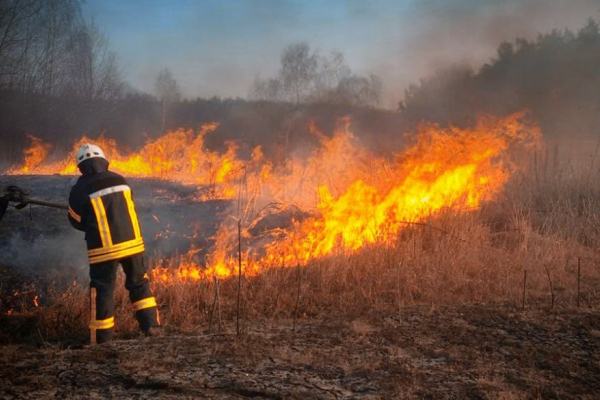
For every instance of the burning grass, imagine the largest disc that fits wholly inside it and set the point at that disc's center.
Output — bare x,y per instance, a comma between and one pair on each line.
454,258
391,278
462,216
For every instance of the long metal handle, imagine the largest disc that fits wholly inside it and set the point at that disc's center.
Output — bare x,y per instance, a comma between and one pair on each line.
48,204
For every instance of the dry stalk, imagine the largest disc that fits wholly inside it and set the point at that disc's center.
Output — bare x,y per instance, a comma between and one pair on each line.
578,280
398,295
239,293
524,288
216,306
92,314
551,285
297,296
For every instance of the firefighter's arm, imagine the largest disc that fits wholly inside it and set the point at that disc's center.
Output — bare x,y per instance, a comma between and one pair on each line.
76,210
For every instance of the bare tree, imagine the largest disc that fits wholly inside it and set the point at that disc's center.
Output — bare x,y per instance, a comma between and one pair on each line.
298,67
59,20
92,66
167,91
331,70
306,76
267,89
33,34
16,36
360,91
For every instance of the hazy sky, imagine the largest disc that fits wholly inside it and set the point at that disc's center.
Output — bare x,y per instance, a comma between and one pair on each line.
218,47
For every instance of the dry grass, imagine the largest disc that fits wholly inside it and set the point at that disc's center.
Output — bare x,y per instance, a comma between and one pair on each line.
435,314
547,225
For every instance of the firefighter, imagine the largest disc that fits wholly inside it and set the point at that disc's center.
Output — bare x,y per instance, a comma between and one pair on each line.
101,205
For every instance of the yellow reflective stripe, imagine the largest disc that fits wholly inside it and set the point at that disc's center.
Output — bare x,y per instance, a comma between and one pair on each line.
116,255
102,222
116,247
144,303
132,213
102,323
74,215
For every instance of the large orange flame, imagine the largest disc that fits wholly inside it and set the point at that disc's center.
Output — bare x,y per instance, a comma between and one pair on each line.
354,198
445,169
179,155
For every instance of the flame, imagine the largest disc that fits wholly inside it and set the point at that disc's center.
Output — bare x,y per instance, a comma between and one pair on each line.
363,200
354,197
35,154
179,155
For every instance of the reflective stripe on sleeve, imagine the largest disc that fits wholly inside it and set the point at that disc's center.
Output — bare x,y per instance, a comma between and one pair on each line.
74,215
102,323
144,303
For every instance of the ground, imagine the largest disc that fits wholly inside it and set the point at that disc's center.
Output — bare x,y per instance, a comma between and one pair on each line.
467,352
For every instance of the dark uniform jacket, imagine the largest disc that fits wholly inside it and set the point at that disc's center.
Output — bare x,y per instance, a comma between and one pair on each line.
101,205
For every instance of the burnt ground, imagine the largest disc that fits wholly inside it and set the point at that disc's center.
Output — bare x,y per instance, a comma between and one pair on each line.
469,352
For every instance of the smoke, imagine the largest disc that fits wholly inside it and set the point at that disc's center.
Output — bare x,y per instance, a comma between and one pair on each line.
41,243
441,33
218,48
50,253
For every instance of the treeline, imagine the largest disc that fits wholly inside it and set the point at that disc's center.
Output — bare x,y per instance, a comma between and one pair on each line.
556,77
279,127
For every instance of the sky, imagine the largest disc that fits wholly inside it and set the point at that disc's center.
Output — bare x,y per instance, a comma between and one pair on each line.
218,47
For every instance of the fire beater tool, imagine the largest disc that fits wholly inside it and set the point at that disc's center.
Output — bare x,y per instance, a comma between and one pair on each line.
14,194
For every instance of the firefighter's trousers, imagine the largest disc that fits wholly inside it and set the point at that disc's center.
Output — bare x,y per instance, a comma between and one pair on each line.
103,278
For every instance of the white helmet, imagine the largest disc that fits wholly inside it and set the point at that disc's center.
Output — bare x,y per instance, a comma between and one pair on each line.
87,151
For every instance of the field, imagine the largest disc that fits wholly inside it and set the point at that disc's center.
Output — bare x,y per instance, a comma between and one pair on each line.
439,315
486,296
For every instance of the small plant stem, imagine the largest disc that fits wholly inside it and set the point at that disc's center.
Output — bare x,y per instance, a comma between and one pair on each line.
239,294
297,297
215,306
578,280
524,288
398,294
219,303
92,314
551,286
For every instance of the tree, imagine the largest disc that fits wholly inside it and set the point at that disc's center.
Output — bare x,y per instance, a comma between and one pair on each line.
305,76
33,37
360,91
92,66
332,70
267,89
167,91
298,67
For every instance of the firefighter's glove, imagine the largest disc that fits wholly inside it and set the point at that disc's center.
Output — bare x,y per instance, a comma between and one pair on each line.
24,202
